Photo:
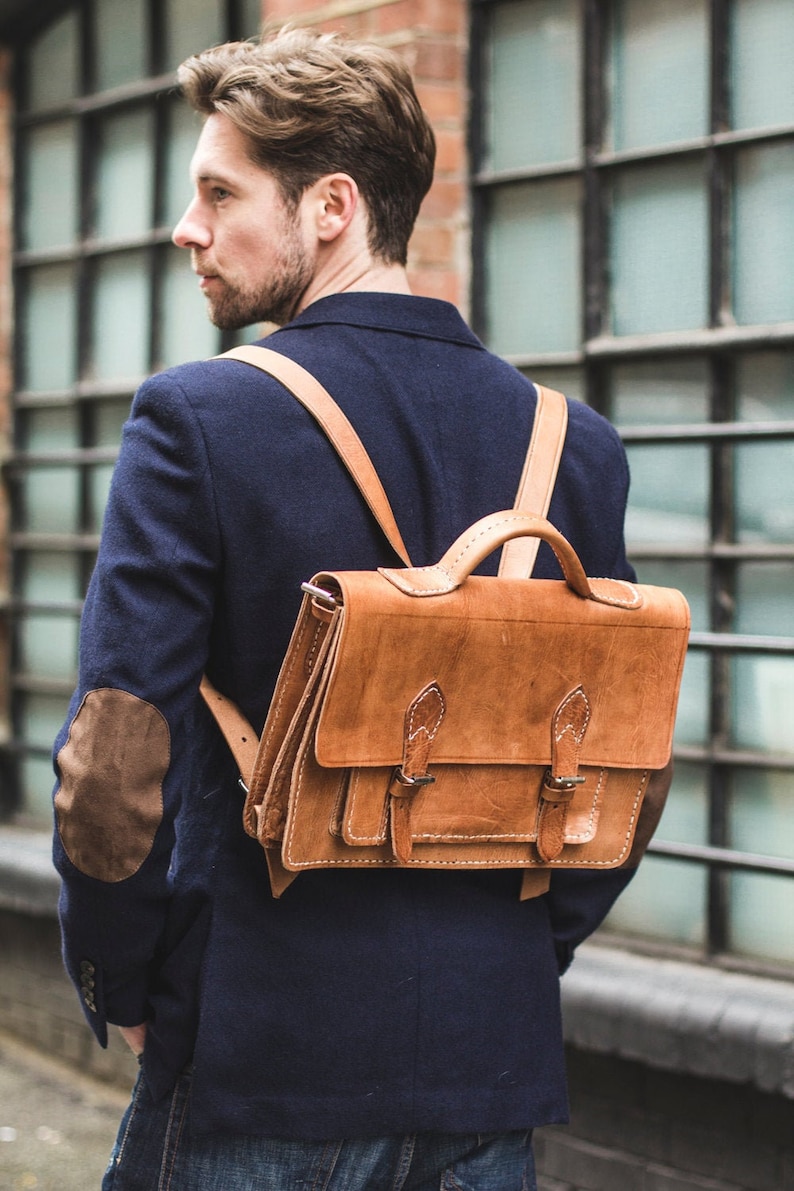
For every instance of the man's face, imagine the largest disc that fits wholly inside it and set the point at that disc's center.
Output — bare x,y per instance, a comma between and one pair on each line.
246,246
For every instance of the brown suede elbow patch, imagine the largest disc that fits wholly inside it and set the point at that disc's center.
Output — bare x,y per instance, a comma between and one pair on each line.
110,802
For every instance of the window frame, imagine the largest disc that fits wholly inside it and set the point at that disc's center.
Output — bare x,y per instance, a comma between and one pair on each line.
721,344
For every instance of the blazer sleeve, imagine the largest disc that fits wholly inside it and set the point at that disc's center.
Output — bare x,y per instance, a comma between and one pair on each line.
120,759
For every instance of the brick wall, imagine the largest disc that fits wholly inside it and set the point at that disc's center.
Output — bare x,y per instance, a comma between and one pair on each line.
432,35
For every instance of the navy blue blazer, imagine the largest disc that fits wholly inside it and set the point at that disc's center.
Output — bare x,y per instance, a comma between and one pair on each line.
359,1003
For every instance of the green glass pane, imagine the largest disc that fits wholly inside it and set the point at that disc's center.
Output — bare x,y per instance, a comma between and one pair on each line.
764,492
692,578
187,333
667,899
41,717
662,393
50,576
763,696
50,500
122,36
48,328
692,719
533,268
660,72
50,429
762,50
121,318
762,911
47,645
765,386
669,496
50,159
761,819
99,478
125,175
184,126
191,26
251,17
659,249
109,418
764,234
569,381
52,75
765,599
533,90
36,781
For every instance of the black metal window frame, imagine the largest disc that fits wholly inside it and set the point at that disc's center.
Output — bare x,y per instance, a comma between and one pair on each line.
721,344
86,109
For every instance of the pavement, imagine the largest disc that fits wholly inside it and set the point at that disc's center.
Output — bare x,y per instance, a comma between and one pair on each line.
57,1126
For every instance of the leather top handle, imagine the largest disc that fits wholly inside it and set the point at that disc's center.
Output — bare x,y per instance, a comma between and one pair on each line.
485,536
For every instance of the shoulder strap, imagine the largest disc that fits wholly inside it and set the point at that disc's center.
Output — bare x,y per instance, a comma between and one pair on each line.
537,479
321,405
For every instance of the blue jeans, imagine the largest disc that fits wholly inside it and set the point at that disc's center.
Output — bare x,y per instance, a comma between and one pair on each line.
155,1152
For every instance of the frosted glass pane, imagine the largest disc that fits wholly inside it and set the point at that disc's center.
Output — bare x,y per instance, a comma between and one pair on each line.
251,17
692,578
762,820
121,318
666,392
765,599
49,576
569,381
660,71
50,429
762,913
50,155
41,720
191,26
533,268
762,50
692,718
763,688
52,74
669,496
125,175
183,133
764,234
109,418
667,899
533,90
47,645
764,492
659,249
121,36
50,500
48,328
36,780
765,386
187,333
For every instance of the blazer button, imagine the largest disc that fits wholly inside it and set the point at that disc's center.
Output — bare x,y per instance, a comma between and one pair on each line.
87,968
88,997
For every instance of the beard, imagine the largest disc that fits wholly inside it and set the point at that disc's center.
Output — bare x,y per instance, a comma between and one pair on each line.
275,300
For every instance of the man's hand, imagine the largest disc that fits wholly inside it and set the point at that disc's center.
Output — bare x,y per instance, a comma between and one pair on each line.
135,1037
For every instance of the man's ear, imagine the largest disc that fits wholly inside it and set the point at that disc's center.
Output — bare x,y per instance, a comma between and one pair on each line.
331,203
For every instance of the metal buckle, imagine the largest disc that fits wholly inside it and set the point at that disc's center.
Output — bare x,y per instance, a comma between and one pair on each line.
562,783
242,785
422,779
319,593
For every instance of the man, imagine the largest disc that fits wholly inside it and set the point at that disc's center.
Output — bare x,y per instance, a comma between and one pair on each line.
371,1030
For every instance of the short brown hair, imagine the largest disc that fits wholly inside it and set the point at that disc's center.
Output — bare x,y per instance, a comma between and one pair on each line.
312,104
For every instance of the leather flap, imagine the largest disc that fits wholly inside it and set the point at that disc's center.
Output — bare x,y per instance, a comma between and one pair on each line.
504,654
